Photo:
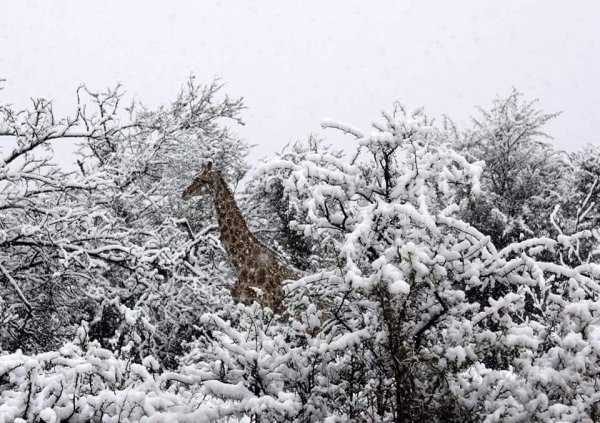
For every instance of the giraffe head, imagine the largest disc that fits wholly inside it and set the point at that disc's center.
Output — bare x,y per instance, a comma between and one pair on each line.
201,183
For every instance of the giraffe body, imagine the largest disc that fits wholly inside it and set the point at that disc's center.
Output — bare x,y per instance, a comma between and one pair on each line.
256,265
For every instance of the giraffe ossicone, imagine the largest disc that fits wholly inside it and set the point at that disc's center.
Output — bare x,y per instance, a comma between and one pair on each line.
258,268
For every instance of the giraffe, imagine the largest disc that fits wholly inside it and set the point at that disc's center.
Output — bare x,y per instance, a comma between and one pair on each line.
256,265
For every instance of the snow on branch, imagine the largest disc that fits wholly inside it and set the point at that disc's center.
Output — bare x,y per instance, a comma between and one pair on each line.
347,129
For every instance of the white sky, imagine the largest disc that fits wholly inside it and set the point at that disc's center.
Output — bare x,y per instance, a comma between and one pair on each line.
298,62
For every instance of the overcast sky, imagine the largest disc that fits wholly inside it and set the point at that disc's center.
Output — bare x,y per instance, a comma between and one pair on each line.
298,62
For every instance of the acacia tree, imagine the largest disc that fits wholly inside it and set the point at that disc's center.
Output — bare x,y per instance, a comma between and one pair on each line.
56,246
523,178
150,163
274,214
112,243
424,318
356,331
581,211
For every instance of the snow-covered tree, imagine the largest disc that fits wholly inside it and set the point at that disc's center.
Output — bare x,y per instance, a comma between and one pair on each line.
358,330
56,245
274,214
523,178
114,235
423,318
150,162
583,203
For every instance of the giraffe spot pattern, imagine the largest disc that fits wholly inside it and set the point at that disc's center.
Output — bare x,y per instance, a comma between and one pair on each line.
257,267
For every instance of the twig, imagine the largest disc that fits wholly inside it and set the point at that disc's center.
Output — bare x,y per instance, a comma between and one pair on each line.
16,287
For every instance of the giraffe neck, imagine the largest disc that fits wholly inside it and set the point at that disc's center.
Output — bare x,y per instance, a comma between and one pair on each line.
235,236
